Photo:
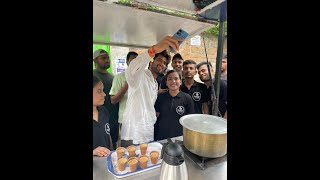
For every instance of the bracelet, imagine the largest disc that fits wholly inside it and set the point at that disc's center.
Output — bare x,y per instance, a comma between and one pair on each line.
151,51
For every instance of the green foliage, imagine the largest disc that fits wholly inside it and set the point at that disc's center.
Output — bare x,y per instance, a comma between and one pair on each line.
215,30
125,1
151,7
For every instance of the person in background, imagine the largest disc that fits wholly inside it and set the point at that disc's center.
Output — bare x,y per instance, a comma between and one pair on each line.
161,76
204,77
198,91
176,64
102,63
224,67
102,142
119,90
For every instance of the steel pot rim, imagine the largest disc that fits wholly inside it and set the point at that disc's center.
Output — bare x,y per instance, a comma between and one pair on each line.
222,130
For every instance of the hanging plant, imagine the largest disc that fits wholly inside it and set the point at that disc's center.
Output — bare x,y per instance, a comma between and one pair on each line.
215,30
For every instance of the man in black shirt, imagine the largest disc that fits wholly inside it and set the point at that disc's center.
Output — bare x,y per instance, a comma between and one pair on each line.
204,76
196,90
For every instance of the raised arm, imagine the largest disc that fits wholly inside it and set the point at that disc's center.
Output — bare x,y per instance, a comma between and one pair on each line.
137,66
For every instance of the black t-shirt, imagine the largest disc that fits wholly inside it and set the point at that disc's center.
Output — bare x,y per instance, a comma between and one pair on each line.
199,94
159,79
171,109
163,84
101,129
107,79
222,98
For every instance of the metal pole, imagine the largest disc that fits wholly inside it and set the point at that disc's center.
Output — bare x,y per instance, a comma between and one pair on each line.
213,96
223,13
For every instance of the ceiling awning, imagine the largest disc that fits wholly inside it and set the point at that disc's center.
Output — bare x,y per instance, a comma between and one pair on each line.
209,12
186,6
120,25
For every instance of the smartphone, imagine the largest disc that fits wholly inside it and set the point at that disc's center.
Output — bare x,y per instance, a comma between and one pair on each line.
180,34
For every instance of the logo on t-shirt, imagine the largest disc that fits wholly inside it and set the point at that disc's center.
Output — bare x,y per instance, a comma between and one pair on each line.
107,128
180,110
196,96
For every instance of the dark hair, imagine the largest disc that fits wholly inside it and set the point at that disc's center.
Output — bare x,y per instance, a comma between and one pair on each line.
131,53
171,71
96,80
224,56
164,54
177,56
189,62
202,63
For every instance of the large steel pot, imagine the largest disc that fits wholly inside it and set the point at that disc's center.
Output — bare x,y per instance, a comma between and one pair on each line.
205,135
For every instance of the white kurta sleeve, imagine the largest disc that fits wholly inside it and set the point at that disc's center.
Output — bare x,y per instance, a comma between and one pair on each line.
136,68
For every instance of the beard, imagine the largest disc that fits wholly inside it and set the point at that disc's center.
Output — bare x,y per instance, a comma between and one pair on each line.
204,79
158,69
104,66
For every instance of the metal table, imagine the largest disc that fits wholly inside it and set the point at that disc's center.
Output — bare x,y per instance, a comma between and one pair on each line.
213,170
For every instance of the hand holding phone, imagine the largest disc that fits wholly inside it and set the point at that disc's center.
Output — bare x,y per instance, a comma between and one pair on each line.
180,34
164,44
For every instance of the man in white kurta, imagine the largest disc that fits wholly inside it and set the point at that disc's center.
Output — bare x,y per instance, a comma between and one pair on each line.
139,115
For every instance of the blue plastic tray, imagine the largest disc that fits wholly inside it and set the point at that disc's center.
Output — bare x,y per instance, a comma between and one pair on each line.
112,165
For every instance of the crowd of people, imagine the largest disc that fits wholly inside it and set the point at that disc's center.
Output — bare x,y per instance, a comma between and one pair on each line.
144,103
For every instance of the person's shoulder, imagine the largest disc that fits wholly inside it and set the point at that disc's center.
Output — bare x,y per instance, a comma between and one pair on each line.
147,71
102,109
163,82
95,72
200,84
163,95
120,75
163,78
181,93
223,83
162,98
183,85
110,75
160,75
184,95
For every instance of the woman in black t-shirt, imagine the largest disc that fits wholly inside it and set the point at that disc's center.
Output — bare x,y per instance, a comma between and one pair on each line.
101,130
170,107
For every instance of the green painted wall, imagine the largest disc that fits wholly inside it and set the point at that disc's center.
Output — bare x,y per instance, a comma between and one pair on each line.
104,47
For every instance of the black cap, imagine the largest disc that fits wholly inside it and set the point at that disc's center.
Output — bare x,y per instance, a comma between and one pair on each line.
177,56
